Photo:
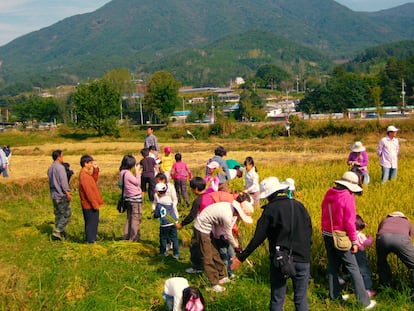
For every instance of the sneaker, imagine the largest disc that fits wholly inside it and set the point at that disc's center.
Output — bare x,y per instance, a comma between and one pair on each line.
192,270
345,297
166,254
224,280
371,293
177,257
218,288
372,304
232,276
56,235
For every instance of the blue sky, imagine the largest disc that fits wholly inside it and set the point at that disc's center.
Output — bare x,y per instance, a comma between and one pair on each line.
19,17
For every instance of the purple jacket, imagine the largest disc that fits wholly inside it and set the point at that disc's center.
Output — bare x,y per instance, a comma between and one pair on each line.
343,212
361,158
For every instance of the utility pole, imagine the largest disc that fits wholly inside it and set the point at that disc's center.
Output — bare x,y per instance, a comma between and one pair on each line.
212,110
403,95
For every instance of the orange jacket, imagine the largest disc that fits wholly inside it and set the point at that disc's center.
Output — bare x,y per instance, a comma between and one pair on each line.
89,194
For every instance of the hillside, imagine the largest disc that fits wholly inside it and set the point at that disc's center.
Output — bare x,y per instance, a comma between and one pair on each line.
240,54
132,34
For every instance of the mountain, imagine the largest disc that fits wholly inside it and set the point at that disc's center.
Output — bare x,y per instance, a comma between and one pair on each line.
135,33
240,54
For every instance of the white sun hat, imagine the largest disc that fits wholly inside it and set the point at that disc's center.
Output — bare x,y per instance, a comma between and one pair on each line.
358,147
392,128
351,181
271,185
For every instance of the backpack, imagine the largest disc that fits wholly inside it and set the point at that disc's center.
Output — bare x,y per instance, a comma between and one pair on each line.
69,172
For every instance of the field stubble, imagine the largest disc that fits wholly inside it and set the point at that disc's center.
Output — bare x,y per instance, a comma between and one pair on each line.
42,274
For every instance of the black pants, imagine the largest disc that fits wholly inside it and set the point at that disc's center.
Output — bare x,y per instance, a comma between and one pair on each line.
91,217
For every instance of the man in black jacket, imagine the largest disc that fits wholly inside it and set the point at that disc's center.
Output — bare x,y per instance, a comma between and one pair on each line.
275,224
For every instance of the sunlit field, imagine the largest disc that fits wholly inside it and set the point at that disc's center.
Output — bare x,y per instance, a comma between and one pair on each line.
37,273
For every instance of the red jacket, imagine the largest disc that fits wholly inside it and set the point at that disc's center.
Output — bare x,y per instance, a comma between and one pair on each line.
89,194
343,212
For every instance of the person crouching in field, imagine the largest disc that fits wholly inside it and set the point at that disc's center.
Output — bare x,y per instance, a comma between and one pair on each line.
90,196
180,296
394,236
286,224
212,216
339,213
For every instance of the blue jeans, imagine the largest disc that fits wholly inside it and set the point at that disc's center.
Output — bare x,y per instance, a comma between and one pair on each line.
348,260
169,233
388,173
398,244
362,259
300,287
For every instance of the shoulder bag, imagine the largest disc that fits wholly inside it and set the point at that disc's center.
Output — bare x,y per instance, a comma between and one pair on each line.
340,238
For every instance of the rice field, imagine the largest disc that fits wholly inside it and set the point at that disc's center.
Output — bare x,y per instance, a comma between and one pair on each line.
41,274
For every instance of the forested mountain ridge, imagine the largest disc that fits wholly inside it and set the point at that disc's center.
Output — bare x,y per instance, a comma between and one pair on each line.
135,33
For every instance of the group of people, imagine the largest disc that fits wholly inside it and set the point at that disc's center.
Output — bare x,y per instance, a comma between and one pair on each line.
59,174
388,150
284,221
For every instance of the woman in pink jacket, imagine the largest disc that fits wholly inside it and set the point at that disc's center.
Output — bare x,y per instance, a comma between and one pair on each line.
339,205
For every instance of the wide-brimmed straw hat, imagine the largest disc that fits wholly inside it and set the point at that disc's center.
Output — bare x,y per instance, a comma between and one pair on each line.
244,209
358,147
351,181
213,165
397,214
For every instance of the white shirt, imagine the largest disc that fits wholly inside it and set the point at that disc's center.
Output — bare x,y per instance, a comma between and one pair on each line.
388,152
251,180
217,214
174,287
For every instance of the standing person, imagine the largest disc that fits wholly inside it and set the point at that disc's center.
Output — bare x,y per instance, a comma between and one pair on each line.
358,160
339,213
219,154
3,163
276,225
218,214
8,154
133,197
212,180
151,139
168,215
60,194
364,241
394,236
149,167
167,162
251,180
90,197
180,173
388,149
198,187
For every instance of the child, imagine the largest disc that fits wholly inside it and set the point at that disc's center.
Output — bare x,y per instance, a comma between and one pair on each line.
168,216
251,180
179,173
361,256
198,187
180,296
153,153
212,180
167,162
148,166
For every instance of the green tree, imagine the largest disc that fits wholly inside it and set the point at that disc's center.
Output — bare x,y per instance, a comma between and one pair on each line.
161,98
97,106
121,79
271,75
35,108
